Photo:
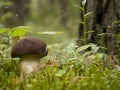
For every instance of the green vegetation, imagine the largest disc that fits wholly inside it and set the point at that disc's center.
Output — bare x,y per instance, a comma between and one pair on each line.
67,65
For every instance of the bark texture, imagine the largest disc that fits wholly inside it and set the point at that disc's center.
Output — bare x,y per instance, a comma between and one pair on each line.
105,13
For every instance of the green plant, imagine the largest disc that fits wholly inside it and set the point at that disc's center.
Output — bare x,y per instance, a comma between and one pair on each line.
83,21
118,47
74,69
8,66
7,35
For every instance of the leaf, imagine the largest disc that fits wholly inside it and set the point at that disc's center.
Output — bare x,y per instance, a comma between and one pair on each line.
60,73
105,34
79,7
16,59
81,22
22,28
16,33
19,31
50,33
88,14
29,31
94,48
90,31
115,22
83,48
84,2
2,45
87,53
100,56
101,34
3,30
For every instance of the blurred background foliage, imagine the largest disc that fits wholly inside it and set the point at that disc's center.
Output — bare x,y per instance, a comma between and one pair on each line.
67,66
42,16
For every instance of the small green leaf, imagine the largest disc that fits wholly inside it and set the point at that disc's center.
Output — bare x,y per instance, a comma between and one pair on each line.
22,28
16,59
84,2
19,31
29,31
90,31
105,34
81,22
100,56
16,33
83,48
3,30
115,22
87,53
2,45
88,14
60,73
50,33
79,7
94,48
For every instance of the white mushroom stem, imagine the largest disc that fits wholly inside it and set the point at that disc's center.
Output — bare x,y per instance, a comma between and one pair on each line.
29,64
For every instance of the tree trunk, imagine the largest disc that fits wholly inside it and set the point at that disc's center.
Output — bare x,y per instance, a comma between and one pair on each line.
105,13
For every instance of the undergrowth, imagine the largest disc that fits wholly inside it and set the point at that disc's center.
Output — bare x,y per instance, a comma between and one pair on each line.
67,67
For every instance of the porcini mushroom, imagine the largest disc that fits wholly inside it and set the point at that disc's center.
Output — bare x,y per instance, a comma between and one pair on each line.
30,51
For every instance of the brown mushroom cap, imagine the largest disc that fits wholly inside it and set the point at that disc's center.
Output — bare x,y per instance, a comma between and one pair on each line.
29,46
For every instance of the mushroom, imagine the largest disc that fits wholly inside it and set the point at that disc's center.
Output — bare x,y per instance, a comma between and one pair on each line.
30,51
